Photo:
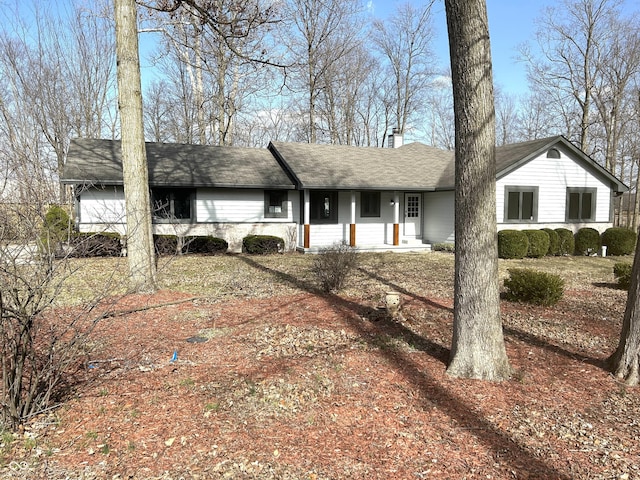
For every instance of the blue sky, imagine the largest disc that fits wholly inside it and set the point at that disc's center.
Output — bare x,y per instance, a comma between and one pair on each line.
511,23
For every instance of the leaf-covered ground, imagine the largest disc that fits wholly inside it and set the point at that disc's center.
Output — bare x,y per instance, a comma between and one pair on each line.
272,379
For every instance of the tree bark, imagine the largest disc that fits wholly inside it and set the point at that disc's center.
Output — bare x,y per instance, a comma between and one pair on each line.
478,349
140,249
625,361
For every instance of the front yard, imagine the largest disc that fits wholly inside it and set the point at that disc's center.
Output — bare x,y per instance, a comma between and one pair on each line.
240,368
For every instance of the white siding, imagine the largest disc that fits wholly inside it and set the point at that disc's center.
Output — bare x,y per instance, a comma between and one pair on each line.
236,206
552,177
439,217
105,207
369,230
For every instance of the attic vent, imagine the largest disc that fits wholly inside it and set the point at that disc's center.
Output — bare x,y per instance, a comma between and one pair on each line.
553,153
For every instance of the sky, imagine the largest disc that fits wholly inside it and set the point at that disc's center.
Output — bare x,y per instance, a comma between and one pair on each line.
511,23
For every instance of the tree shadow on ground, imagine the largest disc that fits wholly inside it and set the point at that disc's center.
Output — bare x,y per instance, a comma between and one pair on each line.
543,343
397,288
519,334
431,392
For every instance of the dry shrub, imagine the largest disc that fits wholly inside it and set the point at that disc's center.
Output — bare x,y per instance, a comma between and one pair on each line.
333,265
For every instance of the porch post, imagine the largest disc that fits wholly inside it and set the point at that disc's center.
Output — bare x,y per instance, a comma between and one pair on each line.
352,227
306,217
396,218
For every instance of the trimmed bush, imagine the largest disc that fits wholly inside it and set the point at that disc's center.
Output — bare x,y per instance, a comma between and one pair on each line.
566,241
532,286
333,264
512,244
166,245
95,245
205,245
554,241
262,244
538,243
622,272
55,229
587,241
444,247
619,241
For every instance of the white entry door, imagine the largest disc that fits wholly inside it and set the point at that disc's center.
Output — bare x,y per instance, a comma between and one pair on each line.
412,215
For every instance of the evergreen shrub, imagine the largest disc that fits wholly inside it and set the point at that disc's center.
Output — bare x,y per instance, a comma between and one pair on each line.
622,273
532,286
538,243
166,245
554,241
619,241
262,244
206,245
587,241
566,241
512,244
95,245
444,247
55,230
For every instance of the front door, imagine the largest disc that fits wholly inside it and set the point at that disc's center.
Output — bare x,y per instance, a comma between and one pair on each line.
412,214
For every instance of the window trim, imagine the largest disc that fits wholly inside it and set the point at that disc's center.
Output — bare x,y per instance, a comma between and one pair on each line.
373,200
171,218
314,207
518,189
284,204
581,190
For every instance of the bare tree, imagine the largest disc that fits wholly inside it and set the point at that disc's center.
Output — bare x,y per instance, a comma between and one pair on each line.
60,75
217,53
140,249
406,45
506,118
478,349
439,118
569,36
534,120
625,361
620,65
324,31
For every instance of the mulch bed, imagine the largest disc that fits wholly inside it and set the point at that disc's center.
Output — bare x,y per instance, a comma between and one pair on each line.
310,386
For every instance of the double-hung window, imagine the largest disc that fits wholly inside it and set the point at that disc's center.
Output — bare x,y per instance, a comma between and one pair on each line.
520,204
581,204
276,204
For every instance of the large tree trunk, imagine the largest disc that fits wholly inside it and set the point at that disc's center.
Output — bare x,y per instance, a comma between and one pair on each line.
478,349
140,250
625,361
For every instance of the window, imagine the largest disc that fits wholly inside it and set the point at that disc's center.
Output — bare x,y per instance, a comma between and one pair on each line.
370,204
172,204
581,204
323,206
275,204
520,204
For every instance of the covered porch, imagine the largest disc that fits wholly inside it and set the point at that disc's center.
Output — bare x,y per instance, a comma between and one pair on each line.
367,220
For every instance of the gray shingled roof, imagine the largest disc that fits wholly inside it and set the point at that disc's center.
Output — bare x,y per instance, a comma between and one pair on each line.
100,162
510,157
412,166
